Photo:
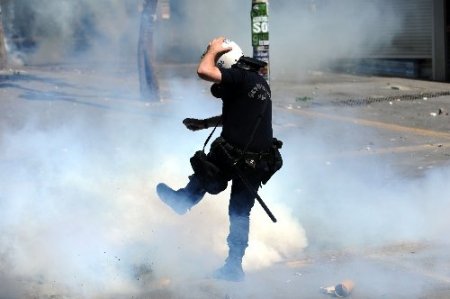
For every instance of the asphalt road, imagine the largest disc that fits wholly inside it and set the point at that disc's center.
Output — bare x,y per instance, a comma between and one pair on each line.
395,129
411,110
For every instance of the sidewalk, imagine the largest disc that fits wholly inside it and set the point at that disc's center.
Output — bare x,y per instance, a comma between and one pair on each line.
333,89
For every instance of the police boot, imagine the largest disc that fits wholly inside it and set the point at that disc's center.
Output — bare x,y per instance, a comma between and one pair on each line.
183,199
237,243
231,270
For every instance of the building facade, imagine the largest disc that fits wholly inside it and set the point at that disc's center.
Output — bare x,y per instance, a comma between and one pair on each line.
419,50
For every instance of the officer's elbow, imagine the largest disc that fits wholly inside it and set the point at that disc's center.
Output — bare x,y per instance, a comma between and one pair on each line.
209,74
204,71
201,72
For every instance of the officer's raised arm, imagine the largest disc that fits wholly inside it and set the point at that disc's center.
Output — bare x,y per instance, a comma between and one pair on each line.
207,68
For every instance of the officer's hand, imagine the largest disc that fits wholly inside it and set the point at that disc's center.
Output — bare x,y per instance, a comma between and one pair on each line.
216,46
194,124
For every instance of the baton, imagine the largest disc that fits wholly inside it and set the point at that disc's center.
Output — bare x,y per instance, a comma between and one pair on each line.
250,187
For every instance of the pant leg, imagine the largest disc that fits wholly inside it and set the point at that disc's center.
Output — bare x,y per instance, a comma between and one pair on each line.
194,190
241,202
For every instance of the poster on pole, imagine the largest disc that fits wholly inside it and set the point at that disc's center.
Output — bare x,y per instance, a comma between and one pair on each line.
260,33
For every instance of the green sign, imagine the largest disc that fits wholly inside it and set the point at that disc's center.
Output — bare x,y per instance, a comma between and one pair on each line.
260,24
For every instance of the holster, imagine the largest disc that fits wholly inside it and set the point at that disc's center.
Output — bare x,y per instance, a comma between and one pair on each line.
209,174
273,162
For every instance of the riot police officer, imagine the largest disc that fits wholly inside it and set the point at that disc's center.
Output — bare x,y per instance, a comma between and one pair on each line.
246,98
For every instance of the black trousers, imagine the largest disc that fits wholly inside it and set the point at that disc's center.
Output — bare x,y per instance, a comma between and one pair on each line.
241,201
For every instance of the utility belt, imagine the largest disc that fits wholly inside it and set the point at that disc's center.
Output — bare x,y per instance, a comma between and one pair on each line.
238,153
269,161
215,168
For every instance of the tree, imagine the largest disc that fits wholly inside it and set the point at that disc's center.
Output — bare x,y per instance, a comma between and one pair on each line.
3,59
147,77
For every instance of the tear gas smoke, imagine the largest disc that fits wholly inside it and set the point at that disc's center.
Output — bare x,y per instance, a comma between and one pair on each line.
304,34
315,34
78,209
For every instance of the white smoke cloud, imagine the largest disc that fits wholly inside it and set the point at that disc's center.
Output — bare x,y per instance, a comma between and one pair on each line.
79,213
308,35
346,201
79,210
304,34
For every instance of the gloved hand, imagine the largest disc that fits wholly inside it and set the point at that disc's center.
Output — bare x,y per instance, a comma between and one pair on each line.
194,124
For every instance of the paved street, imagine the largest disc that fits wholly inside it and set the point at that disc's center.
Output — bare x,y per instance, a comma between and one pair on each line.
365,182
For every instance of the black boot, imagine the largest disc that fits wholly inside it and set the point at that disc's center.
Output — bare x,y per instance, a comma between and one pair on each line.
183,199
174,199
237,243
231,271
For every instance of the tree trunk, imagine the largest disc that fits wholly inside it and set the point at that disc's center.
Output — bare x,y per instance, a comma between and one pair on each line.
147,77
3,60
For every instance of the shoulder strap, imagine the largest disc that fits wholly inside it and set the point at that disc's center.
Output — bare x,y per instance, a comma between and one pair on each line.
210,134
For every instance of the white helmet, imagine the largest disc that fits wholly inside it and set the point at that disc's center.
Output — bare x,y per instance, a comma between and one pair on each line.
229,58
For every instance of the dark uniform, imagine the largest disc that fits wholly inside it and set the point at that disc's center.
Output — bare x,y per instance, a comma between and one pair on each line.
246,97
244,93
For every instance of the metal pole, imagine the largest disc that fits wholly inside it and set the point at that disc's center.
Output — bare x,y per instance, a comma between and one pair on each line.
260,33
